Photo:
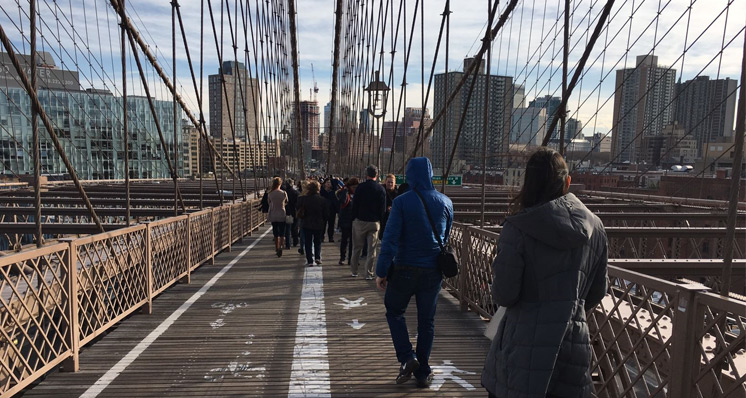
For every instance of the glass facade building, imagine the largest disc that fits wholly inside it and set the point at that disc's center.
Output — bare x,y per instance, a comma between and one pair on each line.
89,126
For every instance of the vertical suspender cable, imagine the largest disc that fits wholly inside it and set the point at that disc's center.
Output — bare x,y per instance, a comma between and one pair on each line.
447,127
335,72
565,53
174,4
125,126
485,114
35,128
735,180
296,87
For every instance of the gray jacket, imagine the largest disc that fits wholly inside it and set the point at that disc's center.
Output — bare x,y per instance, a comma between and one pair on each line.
550,269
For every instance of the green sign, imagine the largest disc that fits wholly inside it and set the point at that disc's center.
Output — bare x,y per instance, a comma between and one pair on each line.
452,180
437,180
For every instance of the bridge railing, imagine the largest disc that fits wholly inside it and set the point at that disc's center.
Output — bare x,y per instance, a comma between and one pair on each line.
651,337
58,298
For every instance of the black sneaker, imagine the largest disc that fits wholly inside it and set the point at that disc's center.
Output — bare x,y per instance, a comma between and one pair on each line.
406,370
425,382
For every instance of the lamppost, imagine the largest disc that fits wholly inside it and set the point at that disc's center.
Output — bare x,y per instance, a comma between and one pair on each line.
377,107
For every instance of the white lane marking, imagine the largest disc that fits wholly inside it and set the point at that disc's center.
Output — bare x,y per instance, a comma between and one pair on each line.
309,377
96,389
356,325
445,372
347,304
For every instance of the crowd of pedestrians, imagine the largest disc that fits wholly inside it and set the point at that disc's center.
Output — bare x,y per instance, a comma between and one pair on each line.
552,256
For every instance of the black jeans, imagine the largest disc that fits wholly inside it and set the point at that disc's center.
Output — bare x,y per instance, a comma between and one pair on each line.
345,243
330,226
312,240
424,284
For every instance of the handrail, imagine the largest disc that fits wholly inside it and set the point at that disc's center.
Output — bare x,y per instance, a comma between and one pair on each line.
57,298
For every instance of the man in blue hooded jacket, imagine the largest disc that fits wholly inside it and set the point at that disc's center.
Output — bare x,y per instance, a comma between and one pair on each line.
407,267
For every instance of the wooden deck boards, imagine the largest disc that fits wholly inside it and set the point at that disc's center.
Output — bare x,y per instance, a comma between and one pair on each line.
238,338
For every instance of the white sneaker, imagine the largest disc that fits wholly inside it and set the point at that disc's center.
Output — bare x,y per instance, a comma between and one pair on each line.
368,278
310,264
354,275
318,261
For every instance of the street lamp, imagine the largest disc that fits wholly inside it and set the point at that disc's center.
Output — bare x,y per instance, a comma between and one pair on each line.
376,98
377,106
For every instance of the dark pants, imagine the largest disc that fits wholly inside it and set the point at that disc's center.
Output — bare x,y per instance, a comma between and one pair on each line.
345,243
302,239
278,229
312,239
424,284
330,226
288,234
294,231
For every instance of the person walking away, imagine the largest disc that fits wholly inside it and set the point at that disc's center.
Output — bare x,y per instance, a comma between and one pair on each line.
407,266
303,187
328,194
344,198
391,194
550,271
367,212
290,228
315,213
277,199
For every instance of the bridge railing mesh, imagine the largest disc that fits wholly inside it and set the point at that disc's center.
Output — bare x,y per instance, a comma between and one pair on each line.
58,298
651,337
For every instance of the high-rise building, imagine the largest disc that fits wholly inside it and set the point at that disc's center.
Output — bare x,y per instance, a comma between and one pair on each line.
309,122
227,103
673,146
519,96
706,108
327,116
406,130
529,125
499,108
642,106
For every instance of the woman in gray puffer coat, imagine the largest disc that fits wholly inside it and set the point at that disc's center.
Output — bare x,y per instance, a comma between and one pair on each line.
550,270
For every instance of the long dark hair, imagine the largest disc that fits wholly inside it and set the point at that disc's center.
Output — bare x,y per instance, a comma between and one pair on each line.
545,180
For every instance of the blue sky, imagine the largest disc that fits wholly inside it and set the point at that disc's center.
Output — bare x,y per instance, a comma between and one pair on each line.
87,30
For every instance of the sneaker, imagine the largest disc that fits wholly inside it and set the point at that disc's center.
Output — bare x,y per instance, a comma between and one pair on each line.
424,382
309,264
318,261
368,278
354,275
301,252
341,262
406,370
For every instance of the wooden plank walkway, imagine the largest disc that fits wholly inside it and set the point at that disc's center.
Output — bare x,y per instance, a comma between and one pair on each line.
238,337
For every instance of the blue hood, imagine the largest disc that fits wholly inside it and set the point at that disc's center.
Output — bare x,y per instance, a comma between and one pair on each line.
420,174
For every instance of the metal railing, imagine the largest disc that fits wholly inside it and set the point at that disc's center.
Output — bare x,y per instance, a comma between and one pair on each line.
651,337
58,298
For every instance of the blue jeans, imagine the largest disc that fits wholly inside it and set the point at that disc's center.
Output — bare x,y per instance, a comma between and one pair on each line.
424,284
311,239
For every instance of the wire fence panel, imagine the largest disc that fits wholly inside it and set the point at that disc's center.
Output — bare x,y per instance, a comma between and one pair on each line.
222,223
201,237
34,317
112,278
237,217
168,251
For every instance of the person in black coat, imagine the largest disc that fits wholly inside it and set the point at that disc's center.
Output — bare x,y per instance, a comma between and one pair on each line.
291,230
314,211
329,194
344,199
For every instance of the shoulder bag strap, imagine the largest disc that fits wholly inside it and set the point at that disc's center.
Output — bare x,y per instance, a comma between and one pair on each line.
437,236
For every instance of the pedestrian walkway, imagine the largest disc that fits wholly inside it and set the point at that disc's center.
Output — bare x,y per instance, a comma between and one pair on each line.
254,325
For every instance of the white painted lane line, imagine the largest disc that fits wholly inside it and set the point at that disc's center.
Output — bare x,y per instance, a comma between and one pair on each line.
309,377
117,369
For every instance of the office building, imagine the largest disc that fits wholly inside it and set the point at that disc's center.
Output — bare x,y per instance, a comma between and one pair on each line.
706,109
499,108
643,104
227,113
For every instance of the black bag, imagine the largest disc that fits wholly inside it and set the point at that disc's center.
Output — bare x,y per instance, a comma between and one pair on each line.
447,261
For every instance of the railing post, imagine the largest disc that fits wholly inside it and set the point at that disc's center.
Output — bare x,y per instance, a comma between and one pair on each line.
230,227
212,235
463,278
251,217
72,364
148,307
688,321
189,249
